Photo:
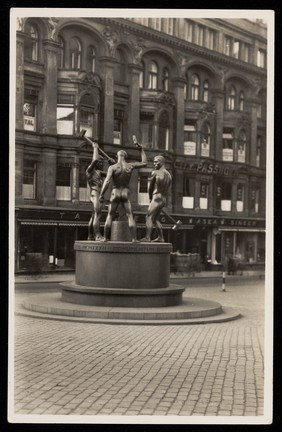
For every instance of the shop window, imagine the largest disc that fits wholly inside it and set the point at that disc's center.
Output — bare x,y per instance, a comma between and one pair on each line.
240,198
204,195
63,183
118,126
83,189
206,91
210,38
31,43
143,196
258,150
29,179
61,53
195,83
30,109
146,129
165,79
87,114
91,59
75,53
223,196
231,98
255,197
188,193
228,145
241,101
227,45
65,114
142,76
164,131
261,58
188,35
241,151
190,138
153,75
205,140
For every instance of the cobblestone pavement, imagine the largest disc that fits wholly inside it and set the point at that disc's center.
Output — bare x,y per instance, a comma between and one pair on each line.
100,369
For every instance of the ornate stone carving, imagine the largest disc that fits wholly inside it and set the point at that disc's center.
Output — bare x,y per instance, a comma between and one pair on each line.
166,99
222,71
138,45
207,109
92,80
20,24
52,24
111,37
181,59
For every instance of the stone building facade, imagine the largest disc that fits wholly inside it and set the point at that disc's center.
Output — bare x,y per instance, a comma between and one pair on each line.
192,90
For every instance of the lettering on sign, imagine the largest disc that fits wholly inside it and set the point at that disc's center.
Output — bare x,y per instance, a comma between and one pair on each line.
121,248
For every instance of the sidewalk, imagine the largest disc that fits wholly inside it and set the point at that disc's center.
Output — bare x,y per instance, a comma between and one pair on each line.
56,277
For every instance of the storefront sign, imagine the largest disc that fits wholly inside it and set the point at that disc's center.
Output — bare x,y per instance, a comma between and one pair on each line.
205,168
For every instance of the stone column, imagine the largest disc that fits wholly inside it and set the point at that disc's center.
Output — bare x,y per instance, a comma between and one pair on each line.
177,190
19,152
75,181
49,175
108,108
178,90
234,196
20,80
253,106
218,100
49,107
134,102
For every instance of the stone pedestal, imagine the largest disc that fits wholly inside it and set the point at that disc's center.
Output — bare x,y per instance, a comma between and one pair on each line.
121,274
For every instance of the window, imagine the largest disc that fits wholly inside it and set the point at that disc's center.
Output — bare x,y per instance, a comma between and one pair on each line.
83,189
188,192
65,114
261,58
240,198
258,152
188,31
142,76
30,109
206,91
227,145
120,72
224,191
146,129
195,87
241,101
118,126
75,53
29,179
168,26
165,79
61,54
241,152
143,196
246,53
200,35
255,196
153,75
190,138
231,99
227,45
164,131
210,38
205,140
204,195
236,49
91,59
63,183
31,43
87,114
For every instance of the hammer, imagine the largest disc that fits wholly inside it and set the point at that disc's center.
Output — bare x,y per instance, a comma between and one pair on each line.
83,136
177,224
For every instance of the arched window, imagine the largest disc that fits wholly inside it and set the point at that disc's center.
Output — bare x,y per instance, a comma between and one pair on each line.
206,91
231,99
205,139
241,101
142,75
31,43
165,78
195,82
164,131
61,55
241,150
120,67
91,59
153,75
75,53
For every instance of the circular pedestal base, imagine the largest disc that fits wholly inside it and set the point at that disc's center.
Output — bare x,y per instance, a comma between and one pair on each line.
114,297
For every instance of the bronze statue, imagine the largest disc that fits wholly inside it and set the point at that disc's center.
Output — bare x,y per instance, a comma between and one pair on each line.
120,174
160,182
94,180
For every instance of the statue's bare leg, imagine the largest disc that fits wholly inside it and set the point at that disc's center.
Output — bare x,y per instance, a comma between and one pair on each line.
131,221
